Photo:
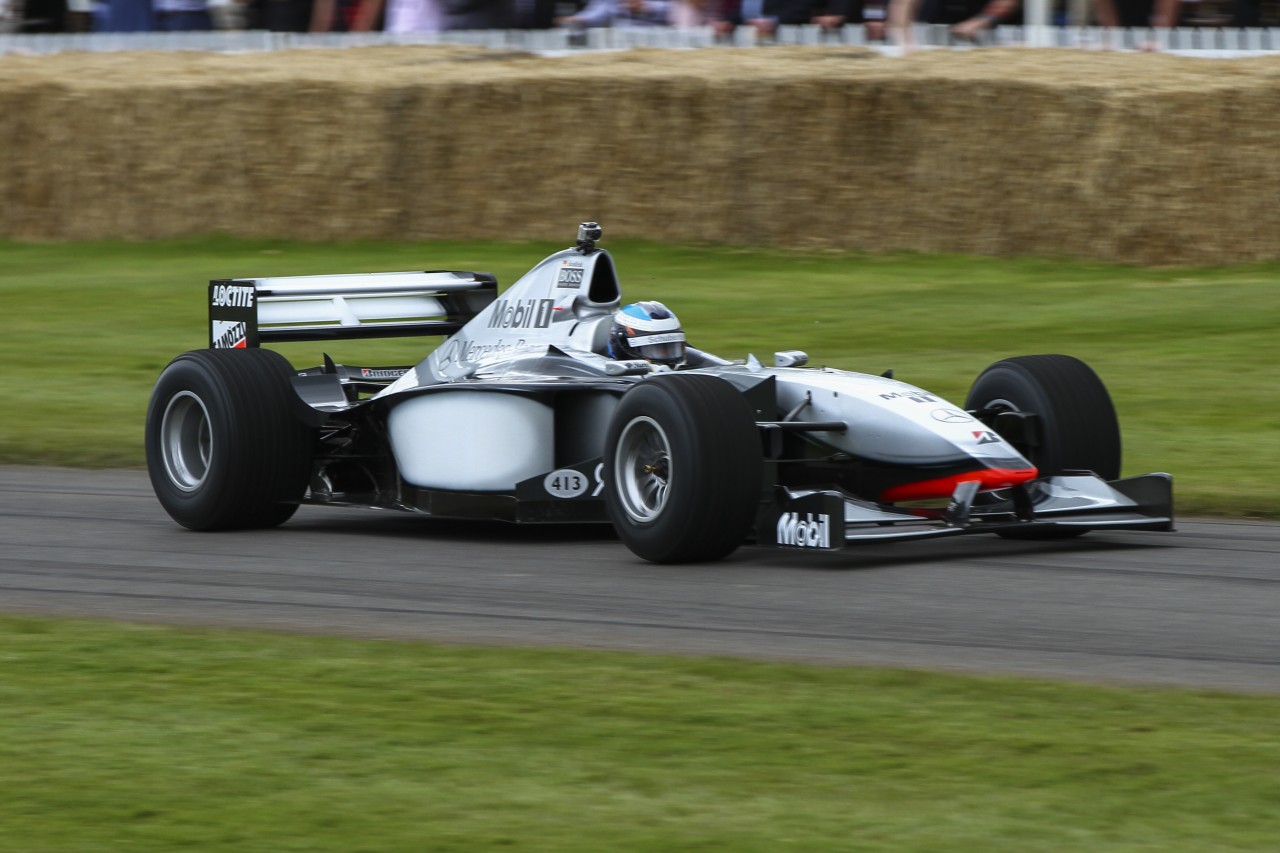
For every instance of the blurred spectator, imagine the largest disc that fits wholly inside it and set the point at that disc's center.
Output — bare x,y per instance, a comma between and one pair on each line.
686,14
33,16
533,14
899,18
968,18
767,15
281,16
79,17
478,14
358,16
1246,13
415,16
1137,13
345,16
991,14
873,20
126,16
621,13
174,16
869,13
723,16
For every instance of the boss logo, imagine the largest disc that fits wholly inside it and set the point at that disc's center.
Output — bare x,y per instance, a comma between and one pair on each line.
569,277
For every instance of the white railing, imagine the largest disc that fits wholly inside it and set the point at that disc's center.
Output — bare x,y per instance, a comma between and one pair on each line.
1192,41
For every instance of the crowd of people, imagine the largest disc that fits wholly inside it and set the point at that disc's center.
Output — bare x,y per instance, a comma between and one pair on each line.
968,19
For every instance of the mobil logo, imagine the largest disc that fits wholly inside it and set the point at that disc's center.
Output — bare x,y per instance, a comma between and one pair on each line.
521,314
812,531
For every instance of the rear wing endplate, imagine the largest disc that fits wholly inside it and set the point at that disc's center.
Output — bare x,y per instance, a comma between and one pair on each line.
248,312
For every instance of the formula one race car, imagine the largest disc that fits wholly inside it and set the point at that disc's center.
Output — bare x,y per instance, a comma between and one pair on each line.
527,413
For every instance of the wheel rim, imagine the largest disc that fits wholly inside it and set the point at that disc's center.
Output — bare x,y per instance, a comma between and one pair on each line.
1001,405
642,469
186,441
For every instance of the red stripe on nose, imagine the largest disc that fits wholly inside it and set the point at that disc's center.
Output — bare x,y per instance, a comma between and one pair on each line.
944,487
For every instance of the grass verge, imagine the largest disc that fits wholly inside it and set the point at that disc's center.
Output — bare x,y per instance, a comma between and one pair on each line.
1190,355
155,738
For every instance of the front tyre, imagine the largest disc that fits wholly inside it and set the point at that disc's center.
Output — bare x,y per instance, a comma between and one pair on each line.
1077,428
683,469
226,447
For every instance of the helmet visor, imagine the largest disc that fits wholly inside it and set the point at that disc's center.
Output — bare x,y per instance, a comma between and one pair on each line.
664,347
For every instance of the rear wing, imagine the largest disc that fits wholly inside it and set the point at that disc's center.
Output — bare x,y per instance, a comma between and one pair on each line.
248,312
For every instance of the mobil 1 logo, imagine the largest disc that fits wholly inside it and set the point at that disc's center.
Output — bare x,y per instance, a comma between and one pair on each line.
521,314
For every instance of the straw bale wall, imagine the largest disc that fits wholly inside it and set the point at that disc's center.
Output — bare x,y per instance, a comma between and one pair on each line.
1136,158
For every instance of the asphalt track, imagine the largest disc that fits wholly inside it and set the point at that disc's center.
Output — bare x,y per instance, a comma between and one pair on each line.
1197,608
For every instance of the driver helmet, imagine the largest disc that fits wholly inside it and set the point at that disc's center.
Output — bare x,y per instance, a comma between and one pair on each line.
647,330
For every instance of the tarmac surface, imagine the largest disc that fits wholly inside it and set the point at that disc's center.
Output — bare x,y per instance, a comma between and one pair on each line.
1198,608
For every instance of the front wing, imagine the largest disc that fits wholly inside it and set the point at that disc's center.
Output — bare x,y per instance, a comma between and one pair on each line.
829,519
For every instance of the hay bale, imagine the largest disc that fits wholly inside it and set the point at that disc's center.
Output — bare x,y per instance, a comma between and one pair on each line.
1138,158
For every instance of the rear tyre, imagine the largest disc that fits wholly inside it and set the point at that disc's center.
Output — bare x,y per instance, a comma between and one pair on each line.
682,469
1078,429
226,446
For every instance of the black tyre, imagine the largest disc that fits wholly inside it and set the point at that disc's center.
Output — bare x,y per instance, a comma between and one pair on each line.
1078,429
682,469
226,445
1077,425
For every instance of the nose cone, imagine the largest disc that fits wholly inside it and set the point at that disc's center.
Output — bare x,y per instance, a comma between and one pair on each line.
920,445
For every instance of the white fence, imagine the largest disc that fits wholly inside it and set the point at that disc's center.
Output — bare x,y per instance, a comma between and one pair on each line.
1207,42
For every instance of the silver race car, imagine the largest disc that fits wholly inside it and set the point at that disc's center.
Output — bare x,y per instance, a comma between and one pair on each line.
554,403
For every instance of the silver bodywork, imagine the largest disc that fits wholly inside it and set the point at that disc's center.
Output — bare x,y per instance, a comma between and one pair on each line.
506,417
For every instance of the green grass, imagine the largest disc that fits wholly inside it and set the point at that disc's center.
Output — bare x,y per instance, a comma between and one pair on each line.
1192,356
150,738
